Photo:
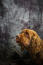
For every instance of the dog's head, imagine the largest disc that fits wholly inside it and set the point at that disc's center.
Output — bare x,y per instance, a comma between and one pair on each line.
28,38
23,39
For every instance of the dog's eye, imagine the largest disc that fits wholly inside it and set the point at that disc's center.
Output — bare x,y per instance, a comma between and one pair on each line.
27,34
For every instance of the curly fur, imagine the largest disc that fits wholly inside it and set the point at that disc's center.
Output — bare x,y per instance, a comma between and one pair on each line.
30,40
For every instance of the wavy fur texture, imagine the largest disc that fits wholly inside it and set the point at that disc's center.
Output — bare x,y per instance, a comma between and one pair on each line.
31,41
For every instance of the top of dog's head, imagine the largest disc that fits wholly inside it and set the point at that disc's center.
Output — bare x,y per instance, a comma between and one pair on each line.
29,38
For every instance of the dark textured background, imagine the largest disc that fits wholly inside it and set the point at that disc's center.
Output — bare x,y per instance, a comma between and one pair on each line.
16,15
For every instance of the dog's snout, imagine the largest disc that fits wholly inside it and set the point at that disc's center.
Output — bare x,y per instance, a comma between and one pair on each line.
17,36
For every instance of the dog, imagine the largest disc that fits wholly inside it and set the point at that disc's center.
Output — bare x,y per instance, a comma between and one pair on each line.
29,39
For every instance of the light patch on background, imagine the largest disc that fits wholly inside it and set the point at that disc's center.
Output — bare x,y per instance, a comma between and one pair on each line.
26,16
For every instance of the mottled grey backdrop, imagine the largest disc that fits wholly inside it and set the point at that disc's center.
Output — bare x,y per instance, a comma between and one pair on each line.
19,14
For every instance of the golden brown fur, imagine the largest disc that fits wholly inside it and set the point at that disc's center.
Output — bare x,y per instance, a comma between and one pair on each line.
31,41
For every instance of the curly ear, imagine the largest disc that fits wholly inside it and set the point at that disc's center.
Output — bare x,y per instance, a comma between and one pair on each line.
35,44
38,43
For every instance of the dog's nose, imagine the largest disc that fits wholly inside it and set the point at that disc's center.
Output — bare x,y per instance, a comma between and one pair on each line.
17,36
